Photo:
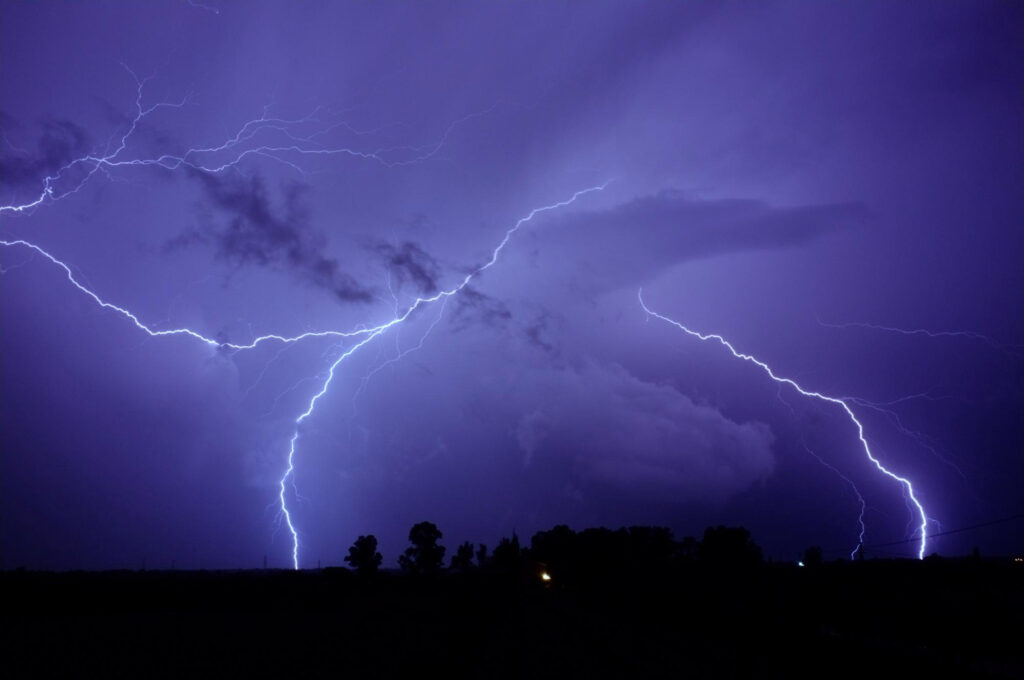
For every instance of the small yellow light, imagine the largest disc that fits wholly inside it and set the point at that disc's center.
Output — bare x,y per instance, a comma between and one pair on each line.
545,576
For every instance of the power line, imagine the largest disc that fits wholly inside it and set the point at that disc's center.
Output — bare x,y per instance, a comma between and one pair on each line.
1001,520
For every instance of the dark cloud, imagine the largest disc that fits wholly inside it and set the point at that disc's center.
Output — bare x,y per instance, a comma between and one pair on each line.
257,234
628,436
797,105
474,307
710,227
59,142
634,241
538,332
410,262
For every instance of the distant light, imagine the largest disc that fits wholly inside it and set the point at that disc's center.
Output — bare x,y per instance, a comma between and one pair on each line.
545,576
799,564
1018,559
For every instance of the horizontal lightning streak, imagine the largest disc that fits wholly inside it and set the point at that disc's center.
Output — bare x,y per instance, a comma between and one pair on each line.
968,335
304,146
906,483
93,163
366,334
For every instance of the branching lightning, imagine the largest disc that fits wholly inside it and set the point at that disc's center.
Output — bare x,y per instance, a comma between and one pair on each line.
242,145
906,484
856,491
921,438
401,353
365,335
376,331
235,148
924,332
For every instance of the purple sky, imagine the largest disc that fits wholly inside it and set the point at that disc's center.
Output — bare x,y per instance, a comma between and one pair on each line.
774,168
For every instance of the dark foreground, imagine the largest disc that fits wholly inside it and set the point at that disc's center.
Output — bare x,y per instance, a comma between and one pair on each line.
945,618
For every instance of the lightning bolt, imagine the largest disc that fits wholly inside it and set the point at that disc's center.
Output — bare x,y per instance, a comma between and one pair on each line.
921,438
924,332
908,487
60,184
860,499
54,189
365,335
401,354
376,331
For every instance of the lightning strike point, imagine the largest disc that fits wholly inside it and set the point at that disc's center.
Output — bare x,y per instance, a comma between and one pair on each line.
908,487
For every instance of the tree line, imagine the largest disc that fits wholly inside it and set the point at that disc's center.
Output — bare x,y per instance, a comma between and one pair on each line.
561,553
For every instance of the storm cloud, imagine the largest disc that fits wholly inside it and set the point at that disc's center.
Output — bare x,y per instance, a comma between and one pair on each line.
256,233
768,163
639,439
633,241
57,143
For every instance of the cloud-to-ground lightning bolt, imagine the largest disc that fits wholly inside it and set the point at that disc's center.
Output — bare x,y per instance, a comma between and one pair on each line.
401,353
71,177
921,438
376,331
907,485
860,498
365,334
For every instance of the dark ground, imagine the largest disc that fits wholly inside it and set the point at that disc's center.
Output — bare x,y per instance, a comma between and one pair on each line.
913,619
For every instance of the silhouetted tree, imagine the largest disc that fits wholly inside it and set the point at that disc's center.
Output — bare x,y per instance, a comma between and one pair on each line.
556,548
728,546
462,560
425,555
363,556
812,556
651,548
686,549
602,552
508,554
481,556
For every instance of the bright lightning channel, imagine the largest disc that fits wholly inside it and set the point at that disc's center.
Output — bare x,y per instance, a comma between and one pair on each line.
366,335
305,146
922,439
399,319
906,483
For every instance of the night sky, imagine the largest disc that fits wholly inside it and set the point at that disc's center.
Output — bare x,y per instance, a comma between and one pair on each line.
777,173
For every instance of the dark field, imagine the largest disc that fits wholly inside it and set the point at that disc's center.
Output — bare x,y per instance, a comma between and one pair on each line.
884,618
